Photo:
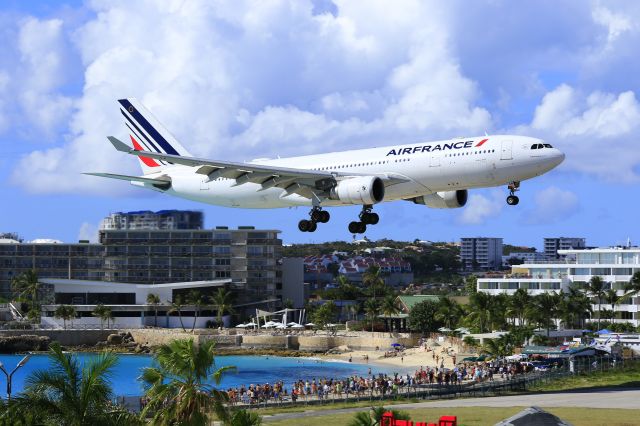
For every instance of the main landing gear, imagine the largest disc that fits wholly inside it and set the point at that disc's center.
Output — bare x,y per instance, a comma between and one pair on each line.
513,199
367,217
317,215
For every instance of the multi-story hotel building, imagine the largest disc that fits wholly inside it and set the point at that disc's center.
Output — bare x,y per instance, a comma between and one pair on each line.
615,265
481,253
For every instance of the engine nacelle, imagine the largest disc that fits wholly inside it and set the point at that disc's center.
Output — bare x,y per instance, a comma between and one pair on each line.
444,200
359,190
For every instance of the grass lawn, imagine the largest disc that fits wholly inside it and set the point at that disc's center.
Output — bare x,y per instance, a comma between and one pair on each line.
624,377
472,416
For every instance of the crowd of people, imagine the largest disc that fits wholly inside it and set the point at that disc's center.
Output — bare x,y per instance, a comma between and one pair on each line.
379,385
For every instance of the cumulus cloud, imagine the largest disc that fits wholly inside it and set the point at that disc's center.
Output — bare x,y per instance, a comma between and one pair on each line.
552,205
480,209
88,232
257,80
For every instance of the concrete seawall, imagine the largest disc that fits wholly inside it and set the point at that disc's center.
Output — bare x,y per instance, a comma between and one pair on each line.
66,337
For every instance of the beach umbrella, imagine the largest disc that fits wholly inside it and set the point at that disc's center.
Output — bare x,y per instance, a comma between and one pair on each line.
396,345
604,331
297,326
291,324
241,325
444,329
280,326
310,324
462,330
332,325
250,324
267,325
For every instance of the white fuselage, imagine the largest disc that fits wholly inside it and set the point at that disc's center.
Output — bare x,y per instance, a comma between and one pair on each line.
421,169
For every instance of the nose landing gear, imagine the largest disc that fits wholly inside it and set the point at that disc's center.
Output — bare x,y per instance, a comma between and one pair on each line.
317,216
367,217
513,199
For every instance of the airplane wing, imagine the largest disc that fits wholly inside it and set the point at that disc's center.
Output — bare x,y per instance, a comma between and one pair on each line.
305,182
158,183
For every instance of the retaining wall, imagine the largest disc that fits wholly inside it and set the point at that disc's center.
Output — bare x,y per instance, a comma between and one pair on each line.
66,337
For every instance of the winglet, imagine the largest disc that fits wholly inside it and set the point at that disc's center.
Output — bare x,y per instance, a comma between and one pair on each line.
119,145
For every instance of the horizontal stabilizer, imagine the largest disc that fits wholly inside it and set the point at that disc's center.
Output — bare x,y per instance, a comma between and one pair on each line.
119,145
158,183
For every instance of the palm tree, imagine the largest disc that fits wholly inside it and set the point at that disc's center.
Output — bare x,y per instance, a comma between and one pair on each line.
449,312
154,300
245,418
223,302
178,388
518,304
575,308
176,307
195,299
389,308
480,305
633,287
372,310
71,393
612,298
372,279
104,313
26,285
596,288
66,312
547,308
373,417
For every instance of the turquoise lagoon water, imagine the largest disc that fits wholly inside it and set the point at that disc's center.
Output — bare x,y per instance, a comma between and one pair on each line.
250,370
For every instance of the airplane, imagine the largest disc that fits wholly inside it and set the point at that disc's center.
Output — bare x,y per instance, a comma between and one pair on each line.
436,174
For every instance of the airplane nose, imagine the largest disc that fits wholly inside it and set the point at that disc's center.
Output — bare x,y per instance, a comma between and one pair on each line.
558,157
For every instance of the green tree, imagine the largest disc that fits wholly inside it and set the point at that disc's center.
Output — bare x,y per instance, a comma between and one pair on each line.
178,388
325,314
66,312
545,309
612,298
449,312
102,312
423,317
195,299
372,310
633,287
575,308
389,307
373,417
518,305
70,393
244,418
176,307
154,300
25,286
480,306
596,288
372,279
471,284
223,302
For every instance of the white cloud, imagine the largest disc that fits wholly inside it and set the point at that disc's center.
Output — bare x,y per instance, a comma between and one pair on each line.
88,232
616,23
552,205
480,209
253,80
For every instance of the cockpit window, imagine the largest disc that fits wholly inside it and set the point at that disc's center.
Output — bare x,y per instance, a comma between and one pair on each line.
547,145
534,146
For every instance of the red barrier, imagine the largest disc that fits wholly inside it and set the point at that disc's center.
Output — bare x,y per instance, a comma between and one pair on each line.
448,421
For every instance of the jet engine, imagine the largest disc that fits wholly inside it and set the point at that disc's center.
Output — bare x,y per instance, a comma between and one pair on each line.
359,190
444,200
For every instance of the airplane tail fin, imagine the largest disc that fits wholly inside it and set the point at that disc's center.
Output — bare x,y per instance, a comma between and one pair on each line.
148,134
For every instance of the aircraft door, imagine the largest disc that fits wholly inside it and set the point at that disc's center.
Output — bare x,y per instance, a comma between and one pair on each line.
506,152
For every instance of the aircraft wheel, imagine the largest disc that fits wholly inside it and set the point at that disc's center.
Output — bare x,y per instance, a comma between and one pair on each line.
354,227
324,216
362,227
312,227
316,215
513,200
373,218
304,225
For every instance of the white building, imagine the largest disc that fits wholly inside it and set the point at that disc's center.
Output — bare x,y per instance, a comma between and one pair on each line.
145,219
481,253
128,303
523,256
615,265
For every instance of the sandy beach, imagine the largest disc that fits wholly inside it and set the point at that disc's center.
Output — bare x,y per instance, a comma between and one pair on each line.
409,359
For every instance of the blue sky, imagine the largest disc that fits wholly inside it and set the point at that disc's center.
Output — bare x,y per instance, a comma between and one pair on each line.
245,80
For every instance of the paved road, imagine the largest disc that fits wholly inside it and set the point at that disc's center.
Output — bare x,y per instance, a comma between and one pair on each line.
601,398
